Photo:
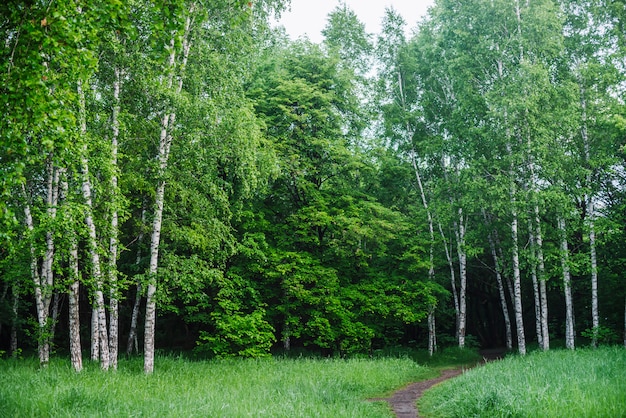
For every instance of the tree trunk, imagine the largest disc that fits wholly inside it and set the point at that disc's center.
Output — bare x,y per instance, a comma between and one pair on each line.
56,304
432,333
95,332
74,311
533,275
542,282
42,293
73,292
455,295
459,230
113,298
567,288
99,310
165,142
132,334
517,280
501,292
154,254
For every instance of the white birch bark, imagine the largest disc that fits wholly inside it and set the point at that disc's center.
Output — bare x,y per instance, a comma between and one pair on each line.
113,240
165,142
517,280
76,356
132,334
459,231
432,333
533,274
95,333
567,287
455,295
42,292
501,292
74,312
543,292
432,339
93,243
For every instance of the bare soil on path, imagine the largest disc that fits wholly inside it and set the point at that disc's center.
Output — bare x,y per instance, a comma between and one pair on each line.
403,402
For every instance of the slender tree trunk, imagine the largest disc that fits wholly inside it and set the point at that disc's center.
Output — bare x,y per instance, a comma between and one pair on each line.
517,286
501,292
165,142
154,256
95,332
132,334
432,333
567,287
542,282
533,275
42,292
459,230
595,316
455,295
73,292
56,305
74,310
113,298
99,310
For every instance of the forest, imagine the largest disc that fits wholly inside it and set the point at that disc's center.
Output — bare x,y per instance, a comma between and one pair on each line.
181,176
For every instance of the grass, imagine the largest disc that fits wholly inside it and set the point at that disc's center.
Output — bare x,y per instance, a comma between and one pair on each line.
275,387
558,383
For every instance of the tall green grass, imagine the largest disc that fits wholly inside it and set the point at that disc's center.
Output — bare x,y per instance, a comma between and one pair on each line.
219,388
558,383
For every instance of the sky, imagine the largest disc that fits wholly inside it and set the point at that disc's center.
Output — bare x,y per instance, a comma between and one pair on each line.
309,16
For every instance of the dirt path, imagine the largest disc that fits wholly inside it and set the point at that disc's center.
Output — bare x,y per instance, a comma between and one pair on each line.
403,402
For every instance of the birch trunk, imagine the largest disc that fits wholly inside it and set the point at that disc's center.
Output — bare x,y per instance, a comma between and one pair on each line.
459,231
113,298
95,333
455,295
432,338
76,356
74,312
99,309
132,334
567,288
542,282
533,274
165,142
517,284
501,291
42,292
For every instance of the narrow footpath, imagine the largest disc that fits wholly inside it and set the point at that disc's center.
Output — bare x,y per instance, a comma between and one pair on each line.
403,402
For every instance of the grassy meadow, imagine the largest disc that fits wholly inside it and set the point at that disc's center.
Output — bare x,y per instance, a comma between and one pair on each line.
273,387
558,383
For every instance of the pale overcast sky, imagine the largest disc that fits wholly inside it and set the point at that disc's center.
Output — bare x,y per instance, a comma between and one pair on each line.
309,16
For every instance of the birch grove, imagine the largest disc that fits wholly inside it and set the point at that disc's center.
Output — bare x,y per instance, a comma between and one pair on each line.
459,184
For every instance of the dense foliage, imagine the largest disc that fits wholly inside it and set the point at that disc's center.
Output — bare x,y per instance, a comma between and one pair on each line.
262,193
